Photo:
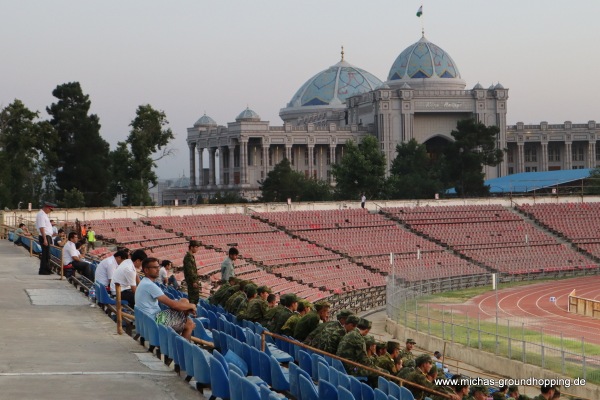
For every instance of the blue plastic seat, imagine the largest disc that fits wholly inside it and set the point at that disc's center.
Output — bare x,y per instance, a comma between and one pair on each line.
219,381
307,389
233,358
305,362
366,392
344,380
323,372
165,343
235,385
280,378
334,376
327,391
239,333
345,394
202,333
265,368
337,364
212,317
201,367
315,358
382,384
180,343
254,361
393,390
249,389
176,353
355,387
379,395
406,394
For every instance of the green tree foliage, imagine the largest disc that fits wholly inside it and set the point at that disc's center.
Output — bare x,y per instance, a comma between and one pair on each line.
592,184
24,149
226,198
83,156
474,147
73,199
413,174
134,160
361,169
283,183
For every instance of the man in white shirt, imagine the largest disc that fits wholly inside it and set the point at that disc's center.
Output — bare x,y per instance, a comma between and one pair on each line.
126,276
44,227
148,295
107,267
72,258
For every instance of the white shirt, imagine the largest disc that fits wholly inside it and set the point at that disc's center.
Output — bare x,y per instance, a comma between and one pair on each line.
69,250
42,221
105,270
125,275
163,275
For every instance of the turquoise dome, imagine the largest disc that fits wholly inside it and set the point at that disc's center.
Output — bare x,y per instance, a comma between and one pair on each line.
205,120
247,115
424,61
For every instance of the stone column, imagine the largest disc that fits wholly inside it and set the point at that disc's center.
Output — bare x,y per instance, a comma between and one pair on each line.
332,161
544,160
211,166
200,167
221,166
243,162
568,155
265,156
288,153
311,166
521,157
591,154
192,147
231,165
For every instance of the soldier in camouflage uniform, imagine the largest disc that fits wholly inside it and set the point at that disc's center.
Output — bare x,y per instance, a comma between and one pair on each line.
339,323
216,296
387,361
257,308
406,353
407,368
289,326
328,339
419,376
546,392
288,304
310,321
479,392
380,349
190,271
241,302
353,347
234,298
370,343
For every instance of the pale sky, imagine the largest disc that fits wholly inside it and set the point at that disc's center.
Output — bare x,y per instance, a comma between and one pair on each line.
187,57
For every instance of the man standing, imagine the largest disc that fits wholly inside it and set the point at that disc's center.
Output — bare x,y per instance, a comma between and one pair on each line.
91,237
44,227
126,276
190,271
363,200
148,295
107,267
227,265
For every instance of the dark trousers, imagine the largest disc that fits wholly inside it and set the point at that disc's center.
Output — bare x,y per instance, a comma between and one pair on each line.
84,269
45,256
129,296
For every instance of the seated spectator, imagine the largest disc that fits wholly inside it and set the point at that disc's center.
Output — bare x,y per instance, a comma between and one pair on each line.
311,320
290,325
479,392
72,259
126,276
148,295
61,238
107,267
165,275
19,232
272,300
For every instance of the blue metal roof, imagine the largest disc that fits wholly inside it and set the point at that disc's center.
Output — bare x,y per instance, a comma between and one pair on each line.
529,181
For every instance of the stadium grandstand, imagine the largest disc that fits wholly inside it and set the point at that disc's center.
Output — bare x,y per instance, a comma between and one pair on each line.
388,256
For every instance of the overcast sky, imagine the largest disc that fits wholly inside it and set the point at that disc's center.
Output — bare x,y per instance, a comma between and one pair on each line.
187,57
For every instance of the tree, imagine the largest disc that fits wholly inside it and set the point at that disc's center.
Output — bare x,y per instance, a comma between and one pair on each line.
24,150
463,161
413,174
83,161
361,169
133,161
73,199
281,183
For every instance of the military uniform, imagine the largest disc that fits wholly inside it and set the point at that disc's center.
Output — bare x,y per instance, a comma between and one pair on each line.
280,315
310,339
190,271
386,362
353,347
328,338
256,310
306,325
290,324
214,299
418,377
234,300
406,355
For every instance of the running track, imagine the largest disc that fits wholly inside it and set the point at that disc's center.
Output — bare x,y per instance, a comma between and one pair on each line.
531,304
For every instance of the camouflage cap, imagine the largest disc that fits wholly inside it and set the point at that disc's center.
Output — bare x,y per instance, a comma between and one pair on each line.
498,396
422,359
288,299
322,304
343,314
479,388
391,346
380,345
364,324
262,289
369,340
411,341
250,289
410,363
352,319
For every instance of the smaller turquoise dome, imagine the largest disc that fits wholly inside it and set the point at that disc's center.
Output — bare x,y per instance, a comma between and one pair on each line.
248,115
205,120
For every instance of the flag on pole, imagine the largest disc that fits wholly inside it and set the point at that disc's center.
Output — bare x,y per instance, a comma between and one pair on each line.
420,12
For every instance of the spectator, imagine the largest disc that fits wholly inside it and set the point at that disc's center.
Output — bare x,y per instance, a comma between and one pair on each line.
424,364
72,258
479,392
272,300
386,361
288,303
190,271
327,336
19,232
513,392
107,267
311,320
148,295
227,266
290,325
61,238
353,347
165,275
363,200
54,228
91,237
406,353
546,392
44,227
257,307
126,275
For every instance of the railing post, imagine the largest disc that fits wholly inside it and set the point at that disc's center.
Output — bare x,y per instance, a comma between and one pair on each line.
119,309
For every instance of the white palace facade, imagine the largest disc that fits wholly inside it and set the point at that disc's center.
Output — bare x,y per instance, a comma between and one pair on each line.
423,98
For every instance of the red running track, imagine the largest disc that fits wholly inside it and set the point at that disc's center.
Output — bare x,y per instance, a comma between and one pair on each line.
531,305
